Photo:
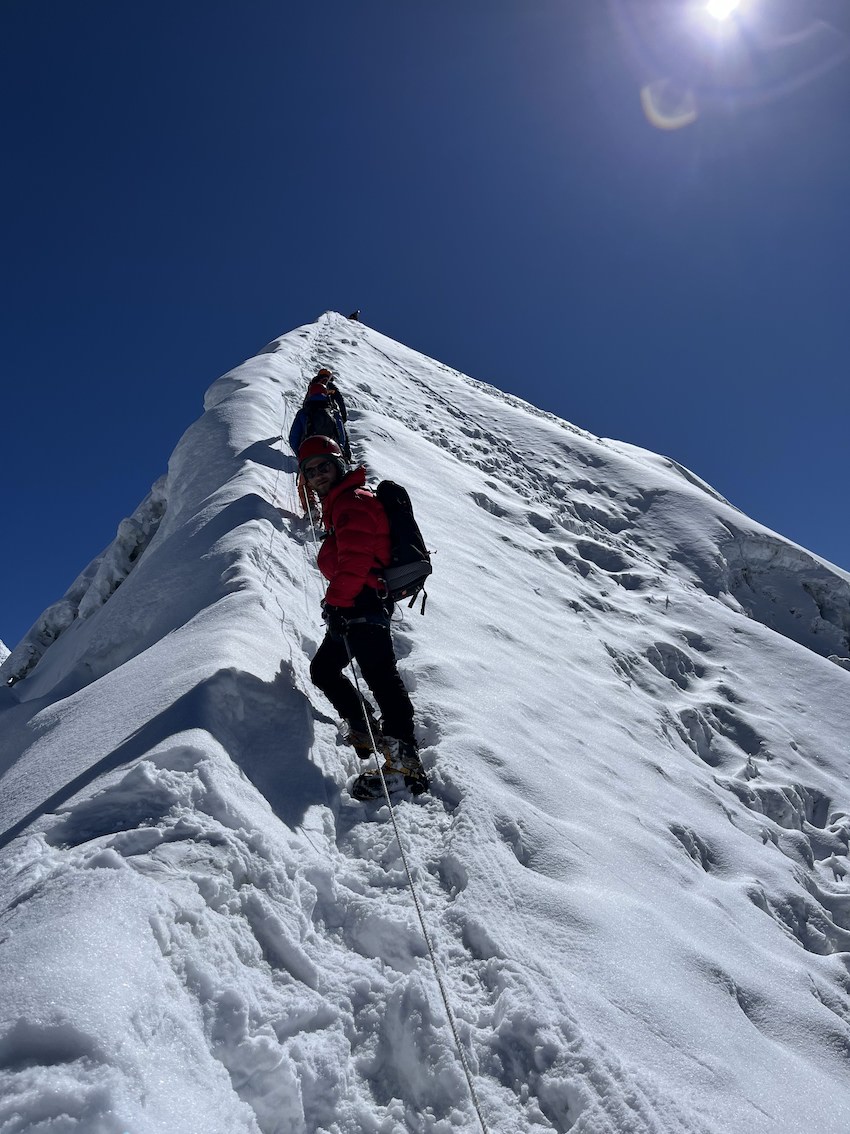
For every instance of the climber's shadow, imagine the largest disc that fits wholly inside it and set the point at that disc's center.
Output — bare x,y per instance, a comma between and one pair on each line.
265,453
265,727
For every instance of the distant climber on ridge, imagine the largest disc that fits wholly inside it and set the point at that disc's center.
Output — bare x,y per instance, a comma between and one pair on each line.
322,414
357,617
326,378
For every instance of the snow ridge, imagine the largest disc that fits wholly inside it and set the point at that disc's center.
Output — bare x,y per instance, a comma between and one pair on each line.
633,862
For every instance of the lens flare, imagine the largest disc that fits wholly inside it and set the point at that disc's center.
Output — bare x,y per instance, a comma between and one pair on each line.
752,56
667,105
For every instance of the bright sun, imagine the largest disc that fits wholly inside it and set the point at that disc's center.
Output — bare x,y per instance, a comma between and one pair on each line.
721,9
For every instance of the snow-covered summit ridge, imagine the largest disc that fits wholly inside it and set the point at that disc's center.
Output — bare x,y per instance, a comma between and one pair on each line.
775,581
633,862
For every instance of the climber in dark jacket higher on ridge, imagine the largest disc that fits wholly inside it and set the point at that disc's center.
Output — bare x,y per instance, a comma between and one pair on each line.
322,414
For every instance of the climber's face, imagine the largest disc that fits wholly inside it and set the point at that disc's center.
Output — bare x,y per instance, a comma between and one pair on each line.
321,475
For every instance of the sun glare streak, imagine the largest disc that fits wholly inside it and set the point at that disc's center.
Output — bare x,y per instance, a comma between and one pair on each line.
722,56
722,9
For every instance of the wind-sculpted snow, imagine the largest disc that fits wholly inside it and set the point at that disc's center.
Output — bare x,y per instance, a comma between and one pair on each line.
92,588
633,862
790,590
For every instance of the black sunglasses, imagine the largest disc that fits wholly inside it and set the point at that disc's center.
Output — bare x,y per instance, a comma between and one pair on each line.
317,470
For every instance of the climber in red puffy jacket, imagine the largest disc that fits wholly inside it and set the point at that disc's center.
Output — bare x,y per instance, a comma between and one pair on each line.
357,544
355,549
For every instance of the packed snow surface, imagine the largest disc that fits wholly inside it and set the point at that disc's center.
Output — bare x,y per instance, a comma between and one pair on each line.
633,863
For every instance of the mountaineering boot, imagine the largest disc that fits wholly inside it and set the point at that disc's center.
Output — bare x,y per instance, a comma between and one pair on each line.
402,757
359,739
402,770
403,760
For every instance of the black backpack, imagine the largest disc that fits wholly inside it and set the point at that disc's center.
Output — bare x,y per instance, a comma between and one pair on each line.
319,419
410,561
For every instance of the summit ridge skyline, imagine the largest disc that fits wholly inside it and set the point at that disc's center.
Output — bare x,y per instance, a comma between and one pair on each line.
633,859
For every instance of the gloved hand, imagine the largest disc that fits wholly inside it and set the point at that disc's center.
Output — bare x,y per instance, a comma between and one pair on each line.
335,618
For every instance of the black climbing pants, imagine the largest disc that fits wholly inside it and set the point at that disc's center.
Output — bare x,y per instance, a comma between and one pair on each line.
372,648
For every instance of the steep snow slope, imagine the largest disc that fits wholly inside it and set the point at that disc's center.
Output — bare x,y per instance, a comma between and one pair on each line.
4,651
633,862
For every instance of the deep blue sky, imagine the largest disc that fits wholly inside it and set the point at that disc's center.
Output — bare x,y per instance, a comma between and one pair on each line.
184,180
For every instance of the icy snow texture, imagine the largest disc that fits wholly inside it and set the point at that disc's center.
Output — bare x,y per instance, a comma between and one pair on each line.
92,588
633,863
4,651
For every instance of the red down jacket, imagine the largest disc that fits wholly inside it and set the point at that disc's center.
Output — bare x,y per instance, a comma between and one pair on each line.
358,543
